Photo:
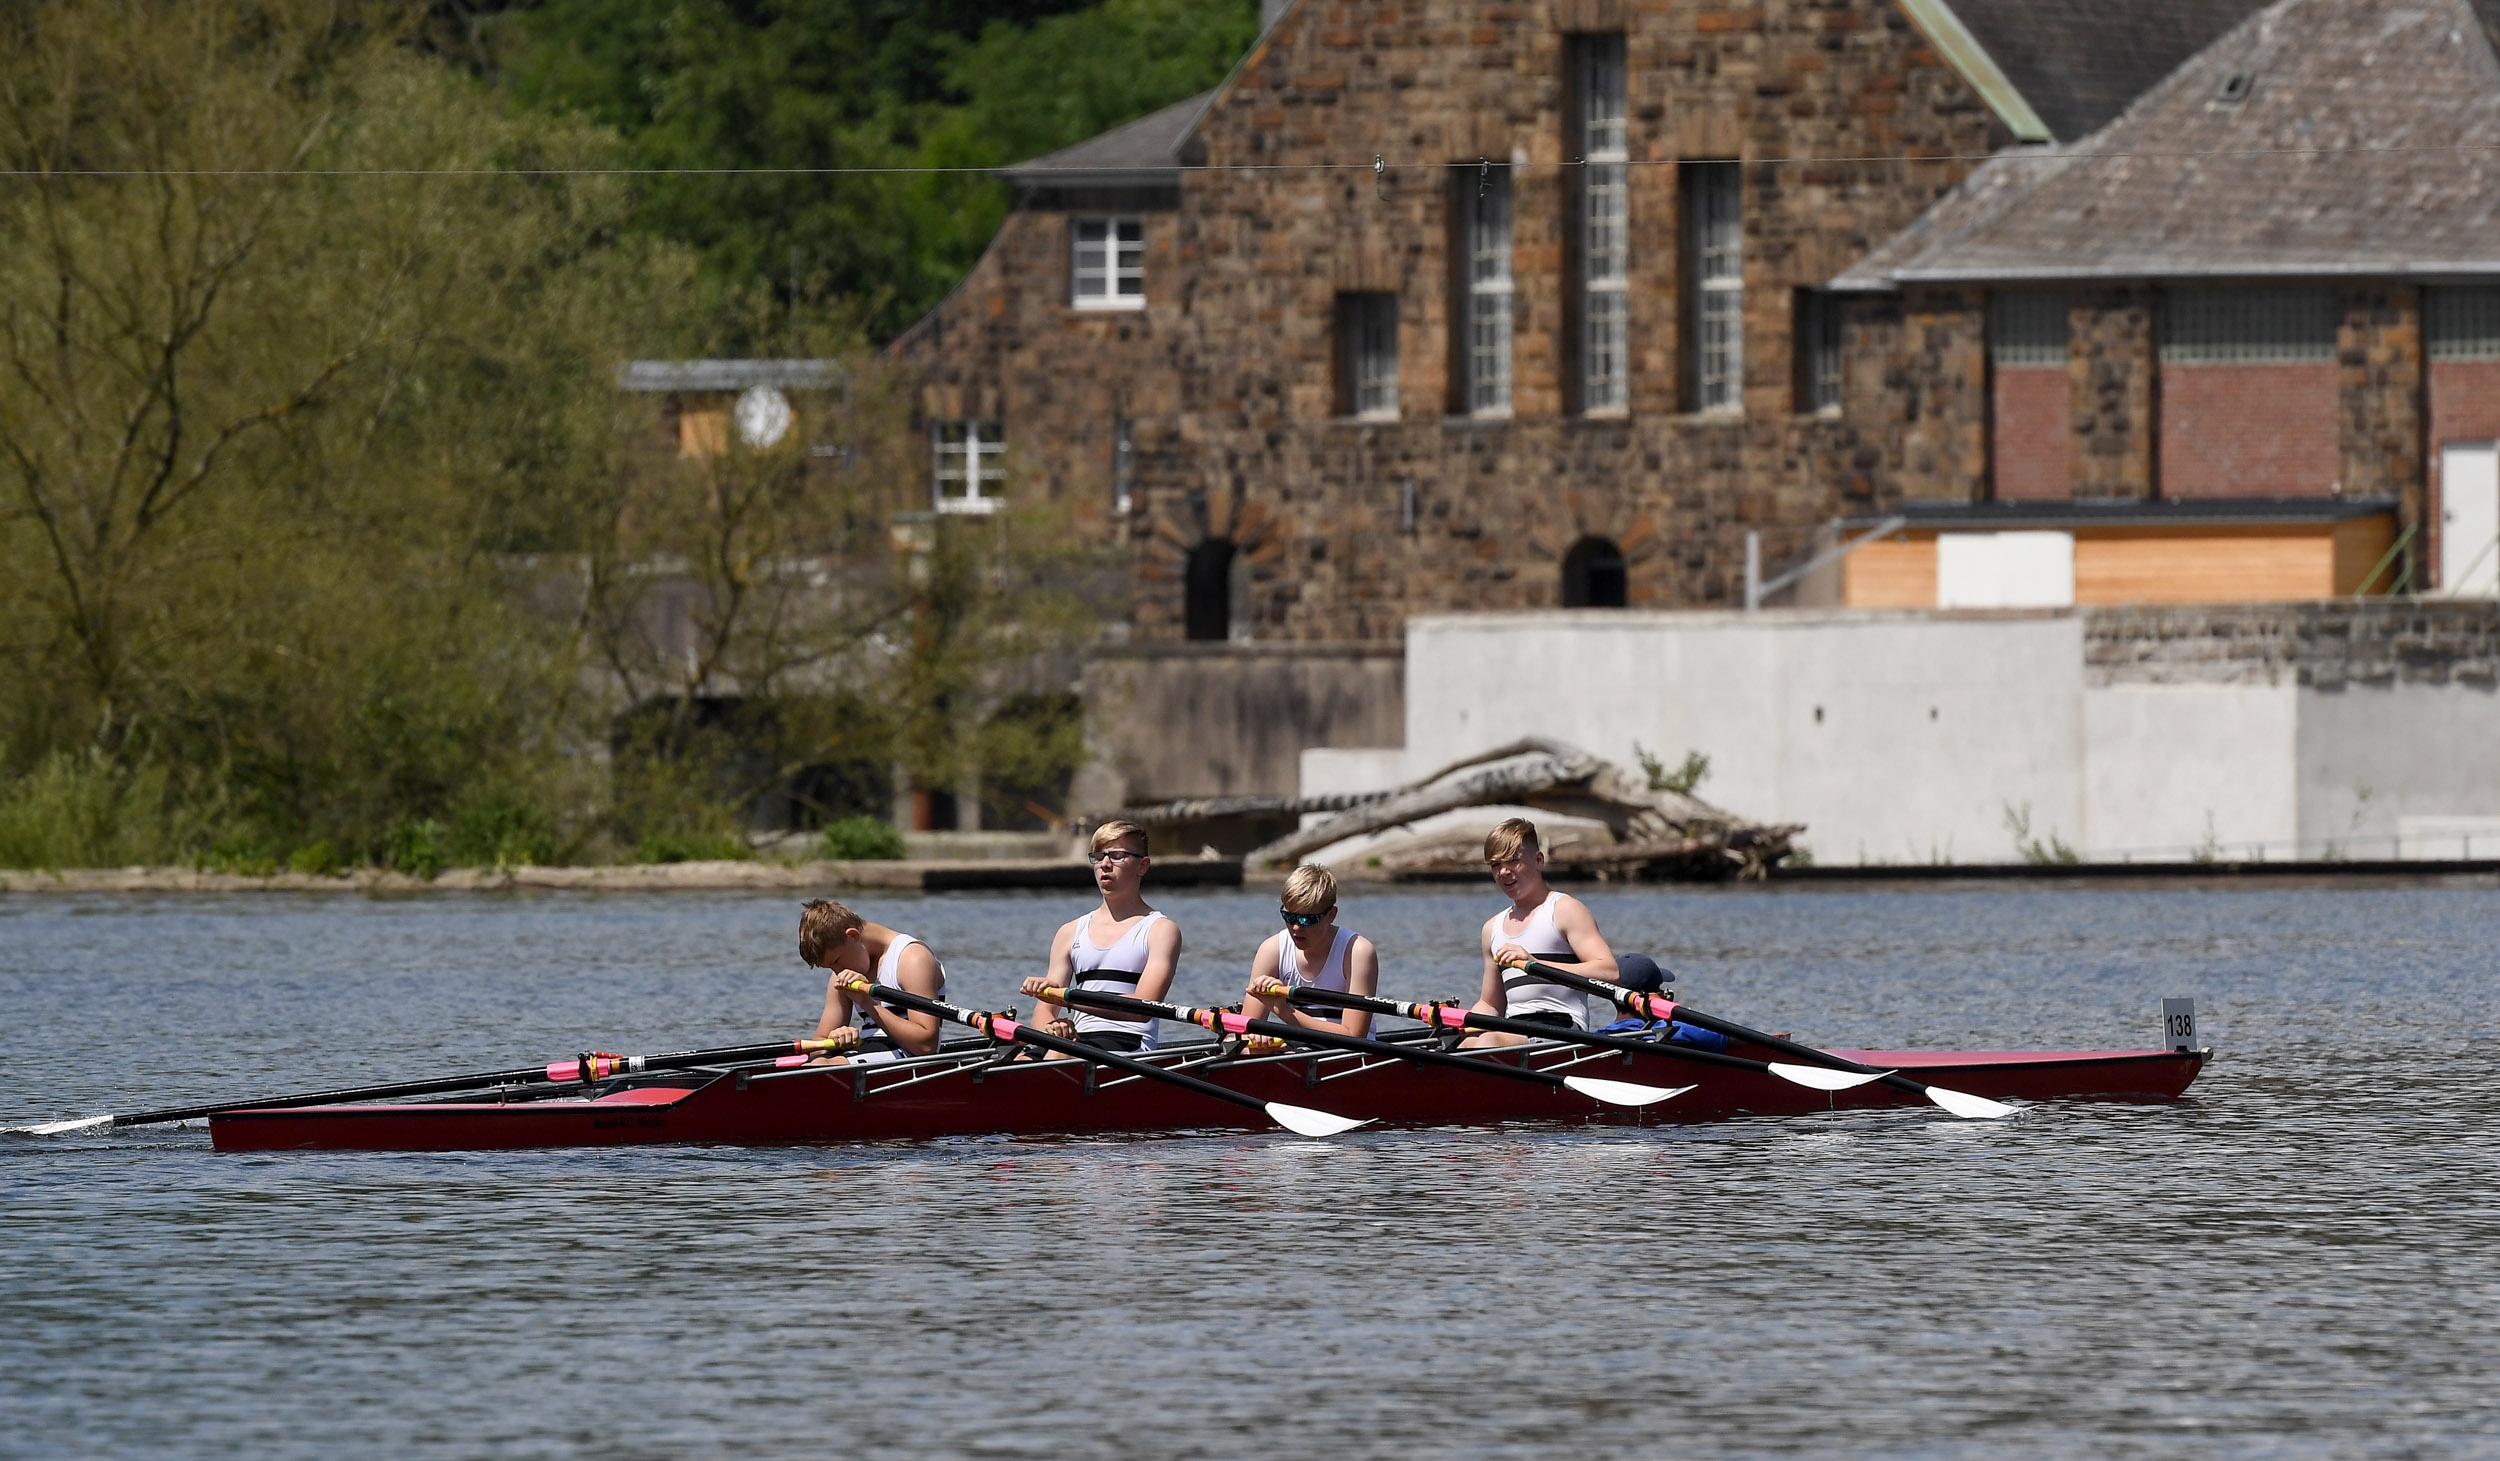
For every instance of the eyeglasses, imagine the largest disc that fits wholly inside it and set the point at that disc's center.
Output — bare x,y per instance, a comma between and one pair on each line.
1304,920
1117,855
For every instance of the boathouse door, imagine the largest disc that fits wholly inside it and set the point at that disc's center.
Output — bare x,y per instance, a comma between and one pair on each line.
2469,519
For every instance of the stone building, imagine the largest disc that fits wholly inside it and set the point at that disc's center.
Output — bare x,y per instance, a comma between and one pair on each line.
2243,342
1451,304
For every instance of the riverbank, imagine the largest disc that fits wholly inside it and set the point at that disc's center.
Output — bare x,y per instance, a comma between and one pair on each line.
812,876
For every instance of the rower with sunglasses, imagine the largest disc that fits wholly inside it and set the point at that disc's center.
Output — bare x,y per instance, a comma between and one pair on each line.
1312,952
1123,947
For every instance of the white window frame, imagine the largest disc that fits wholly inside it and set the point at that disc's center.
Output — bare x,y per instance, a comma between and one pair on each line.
1107,263
1489,296
1368,326
968,473
1716,230
1605,227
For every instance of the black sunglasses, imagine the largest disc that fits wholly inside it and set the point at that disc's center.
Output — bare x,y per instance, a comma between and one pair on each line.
1303,920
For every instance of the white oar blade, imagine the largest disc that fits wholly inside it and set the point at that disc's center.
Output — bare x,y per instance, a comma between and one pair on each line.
58,1128
1968,1106
1823,1077
1303,1121
1621,1093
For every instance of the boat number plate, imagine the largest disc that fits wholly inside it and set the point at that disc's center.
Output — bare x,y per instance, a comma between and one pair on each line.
2178,1024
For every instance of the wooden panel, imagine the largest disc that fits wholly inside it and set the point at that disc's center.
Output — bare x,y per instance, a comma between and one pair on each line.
2359,545
1890,575
2247,565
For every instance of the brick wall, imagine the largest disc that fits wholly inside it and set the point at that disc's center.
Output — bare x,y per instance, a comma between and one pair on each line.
2030,434
2250,430
1228,369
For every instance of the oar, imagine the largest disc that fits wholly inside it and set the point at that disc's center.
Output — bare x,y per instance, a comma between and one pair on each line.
1234,1022
1301,1120
585,1069
1658,1007
1458,1017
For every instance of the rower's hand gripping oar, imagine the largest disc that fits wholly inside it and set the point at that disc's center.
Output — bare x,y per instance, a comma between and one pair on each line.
588,1068
1301,1120
1234,1022
1658,1007
1458,1017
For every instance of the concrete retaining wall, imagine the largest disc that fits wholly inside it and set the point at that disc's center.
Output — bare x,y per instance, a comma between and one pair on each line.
1169,721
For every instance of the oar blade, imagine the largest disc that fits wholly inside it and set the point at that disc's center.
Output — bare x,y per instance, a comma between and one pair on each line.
1823,1077
1303,1121
58,1128
1968,1106
1621,1093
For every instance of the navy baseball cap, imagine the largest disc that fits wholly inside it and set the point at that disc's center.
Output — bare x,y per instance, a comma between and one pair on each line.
1639,972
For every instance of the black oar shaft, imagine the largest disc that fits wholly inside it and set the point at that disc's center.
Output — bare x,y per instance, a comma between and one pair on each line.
1731,1029
1280,1030
440,1085
1474,1021
1018,1031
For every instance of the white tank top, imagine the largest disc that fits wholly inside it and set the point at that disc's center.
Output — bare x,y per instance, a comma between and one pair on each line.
889,971
1114,970
1331,975
1523,993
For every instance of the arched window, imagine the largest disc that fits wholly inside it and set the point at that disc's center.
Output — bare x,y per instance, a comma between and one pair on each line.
1207,609
1593,576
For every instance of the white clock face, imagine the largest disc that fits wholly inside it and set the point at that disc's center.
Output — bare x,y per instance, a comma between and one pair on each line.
763,416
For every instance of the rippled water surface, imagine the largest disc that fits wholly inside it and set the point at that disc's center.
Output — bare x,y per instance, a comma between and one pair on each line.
2301,1259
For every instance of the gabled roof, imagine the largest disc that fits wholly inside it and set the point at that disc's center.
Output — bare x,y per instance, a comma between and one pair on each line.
2316,138
2076,64
1141,153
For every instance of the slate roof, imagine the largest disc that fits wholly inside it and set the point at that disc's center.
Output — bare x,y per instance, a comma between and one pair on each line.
2367,143
1133,154
2080,62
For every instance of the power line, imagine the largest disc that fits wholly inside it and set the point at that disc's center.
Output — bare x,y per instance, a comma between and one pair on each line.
1211,168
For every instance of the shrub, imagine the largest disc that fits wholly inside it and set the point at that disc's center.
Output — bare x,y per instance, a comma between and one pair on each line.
419,848
693,846
863,839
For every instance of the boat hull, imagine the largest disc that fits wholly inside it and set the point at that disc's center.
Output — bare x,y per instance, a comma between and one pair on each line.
972,1098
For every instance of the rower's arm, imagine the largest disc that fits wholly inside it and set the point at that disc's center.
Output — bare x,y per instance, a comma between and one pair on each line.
1489,999
837,1004
917,970
1362,976
1062,974
1589,954
1265,964
1163,959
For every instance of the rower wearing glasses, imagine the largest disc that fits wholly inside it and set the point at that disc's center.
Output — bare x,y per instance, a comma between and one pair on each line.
1122,947
1542,926
1312,952
833,938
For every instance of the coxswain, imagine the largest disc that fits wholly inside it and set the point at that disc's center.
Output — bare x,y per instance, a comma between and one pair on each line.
1312,952
1540,926
1122,947
850,948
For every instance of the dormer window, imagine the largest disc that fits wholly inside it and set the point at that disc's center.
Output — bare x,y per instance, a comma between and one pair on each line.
1107,263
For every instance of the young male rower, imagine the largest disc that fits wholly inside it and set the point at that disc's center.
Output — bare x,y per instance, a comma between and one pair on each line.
1542,926
1122,947
1312,951
849,947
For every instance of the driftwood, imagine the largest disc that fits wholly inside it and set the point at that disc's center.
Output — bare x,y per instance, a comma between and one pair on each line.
1655,830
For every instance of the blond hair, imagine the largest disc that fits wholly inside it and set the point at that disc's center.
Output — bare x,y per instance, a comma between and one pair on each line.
1114,832
822,925
1513,838
1311,889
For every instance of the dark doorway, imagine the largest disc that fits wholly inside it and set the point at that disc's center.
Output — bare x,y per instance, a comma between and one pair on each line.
1208,608
1594,577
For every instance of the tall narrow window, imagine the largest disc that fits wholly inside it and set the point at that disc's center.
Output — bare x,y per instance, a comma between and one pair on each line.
1605,220
1485,255
1107,263
968,473
1818,351
1121,497
1367,355
2030,401
1714,253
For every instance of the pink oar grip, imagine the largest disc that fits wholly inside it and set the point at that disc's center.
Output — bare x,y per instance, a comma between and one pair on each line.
1456,1019
786,1061
1003,1029
564,1070
1234,1023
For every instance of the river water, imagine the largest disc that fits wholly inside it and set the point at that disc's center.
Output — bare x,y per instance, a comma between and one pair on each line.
2298,1260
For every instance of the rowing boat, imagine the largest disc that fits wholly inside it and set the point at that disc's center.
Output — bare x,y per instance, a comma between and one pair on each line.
972,1092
